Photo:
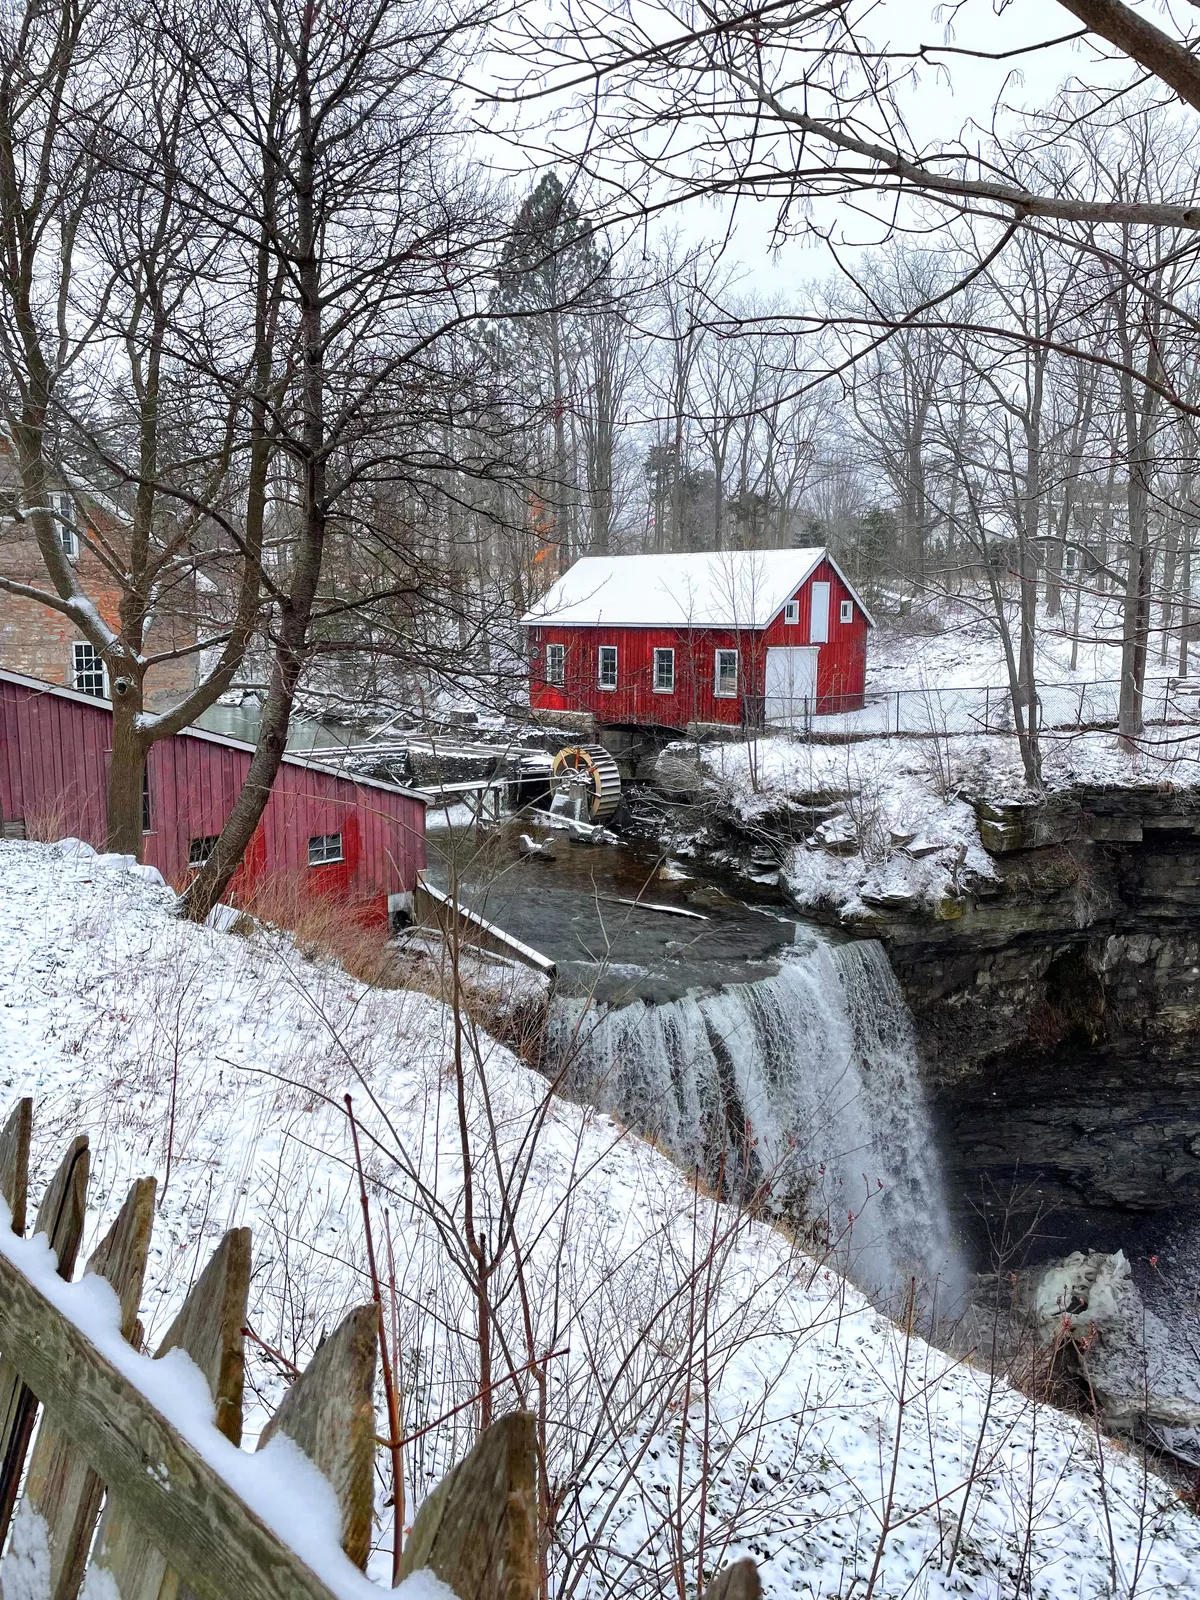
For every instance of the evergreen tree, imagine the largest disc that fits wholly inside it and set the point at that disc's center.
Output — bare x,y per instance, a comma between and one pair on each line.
551,280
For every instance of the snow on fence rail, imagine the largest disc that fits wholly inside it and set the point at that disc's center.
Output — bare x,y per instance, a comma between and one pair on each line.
937,710
150,1449
157,1442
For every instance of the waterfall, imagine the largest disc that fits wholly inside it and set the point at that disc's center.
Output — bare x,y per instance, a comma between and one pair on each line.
803,1088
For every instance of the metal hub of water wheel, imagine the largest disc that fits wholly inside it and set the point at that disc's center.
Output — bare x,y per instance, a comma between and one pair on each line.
590,762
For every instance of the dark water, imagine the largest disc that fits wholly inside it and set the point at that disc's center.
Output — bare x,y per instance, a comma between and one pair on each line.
570,910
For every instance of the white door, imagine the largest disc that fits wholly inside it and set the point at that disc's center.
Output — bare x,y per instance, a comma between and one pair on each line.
818,615
791,684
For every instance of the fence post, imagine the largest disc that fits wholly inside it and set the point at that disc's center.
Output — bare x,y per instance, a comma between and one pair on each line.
60,1218
477,1530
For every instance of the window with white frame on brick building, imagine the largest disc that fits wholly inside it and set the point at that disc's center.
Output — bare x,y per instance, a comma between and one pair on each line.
62,509
87,670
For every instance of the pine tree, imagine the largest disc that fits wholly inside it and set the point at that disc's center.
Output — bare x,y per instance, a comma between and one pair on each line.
552,274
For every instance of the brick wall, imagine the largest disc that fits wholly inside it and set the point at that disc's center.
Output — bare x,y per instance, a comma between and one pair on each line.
37,640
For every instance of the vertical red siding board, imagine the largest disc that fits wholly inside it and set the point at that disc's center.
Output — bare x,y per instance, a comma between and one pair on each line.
171,822
8,768
53,750
28,742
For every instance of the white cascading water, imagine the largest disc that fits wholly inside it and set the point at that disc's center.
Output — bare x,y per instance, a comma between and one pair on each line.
805,1085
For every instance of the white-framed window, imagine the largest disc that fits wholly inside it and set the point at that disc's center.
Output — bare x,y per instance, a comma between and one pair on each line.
664,672
87,670
606,667
791,613
725,681
818,613
846,611
556,663
200,849
62,509
324,848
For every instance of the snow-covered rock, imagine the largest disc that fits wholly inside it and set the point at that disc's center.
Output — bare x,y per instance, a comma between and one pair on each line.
1142,1381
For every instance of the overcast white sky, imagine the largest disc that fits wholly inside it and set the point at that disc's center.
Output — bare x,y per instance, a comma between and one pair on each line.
956,102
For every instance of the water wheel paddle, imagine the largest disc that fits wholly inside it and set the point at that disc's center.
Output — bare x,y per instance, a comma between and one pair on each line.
593,762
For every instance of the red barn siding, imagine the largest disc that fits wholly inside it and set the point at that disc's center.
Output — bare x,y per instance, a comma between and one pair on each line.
54,750
841,665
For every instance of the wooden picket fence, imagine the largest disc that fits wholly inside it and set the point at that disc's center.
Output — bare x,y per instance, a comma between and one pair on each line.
120,1489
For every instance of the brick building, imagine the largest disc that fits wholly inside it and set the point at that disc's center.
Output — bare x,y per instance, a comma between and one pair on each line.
42,643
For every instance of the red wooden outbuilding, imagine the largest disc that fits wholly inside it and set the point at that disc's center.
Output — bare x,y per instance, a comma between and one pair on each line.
354,838
745,637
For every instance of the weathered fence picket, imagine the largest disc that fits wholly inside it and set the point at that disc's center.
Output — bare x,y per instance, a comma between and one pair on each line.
173,1527
329,1412
209,1329
60,1218
475,1531
61,1487
14,1161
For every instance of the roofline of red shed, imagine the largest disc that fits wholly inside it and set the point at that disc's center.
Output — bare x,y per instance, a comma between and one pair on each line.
291,760
710,627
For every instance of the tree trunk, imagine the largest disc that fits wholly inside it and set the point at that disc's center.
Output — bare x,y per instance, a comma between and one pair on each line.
1185,626
292,642
127,771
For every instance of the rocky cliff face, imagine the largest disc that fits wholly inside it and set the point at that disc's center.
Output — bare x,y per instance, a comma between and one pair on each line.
1087,936
1058,1006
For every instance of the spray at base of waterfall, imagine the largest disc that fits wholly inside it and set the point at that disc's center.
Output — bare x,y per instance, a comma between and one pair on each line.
801,1093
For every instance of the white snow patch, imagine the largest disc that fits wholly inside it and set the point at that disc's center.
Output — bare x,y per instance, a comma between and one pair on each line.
25,1570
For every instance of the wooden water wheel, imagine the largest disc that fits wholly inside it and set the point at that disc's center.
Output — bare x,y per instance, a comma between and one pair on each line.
591,761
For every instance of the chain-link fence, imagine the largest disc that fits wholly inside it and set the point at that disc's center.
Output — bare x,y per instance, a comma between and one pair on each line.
968,709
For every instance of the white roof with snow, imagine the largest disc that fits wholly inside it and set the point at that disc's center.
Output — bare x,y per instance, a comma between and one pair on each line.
709,589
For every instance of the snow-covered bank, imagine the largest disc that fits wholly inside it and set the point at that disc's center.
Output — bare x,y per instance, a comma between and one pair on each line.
679,1335
903,829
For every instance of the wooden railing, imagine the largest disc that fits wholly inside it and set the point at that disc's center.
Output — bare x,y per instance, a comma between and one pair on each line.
169,1519
116,1488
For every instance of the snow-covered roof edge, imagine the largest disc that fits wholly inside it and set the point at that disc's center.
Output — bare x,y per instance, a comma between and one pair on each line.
858,599
536,619
290,757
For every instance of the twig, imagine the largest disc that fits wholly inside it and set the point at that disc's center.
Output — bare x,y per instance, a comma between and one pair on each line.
475,1398
276,1355
387,1228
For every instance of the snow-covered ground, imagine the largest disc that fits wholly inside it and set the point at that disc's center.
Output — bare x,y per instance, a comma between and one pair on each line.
906,820
936,688
684,1345
956,644
943,669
